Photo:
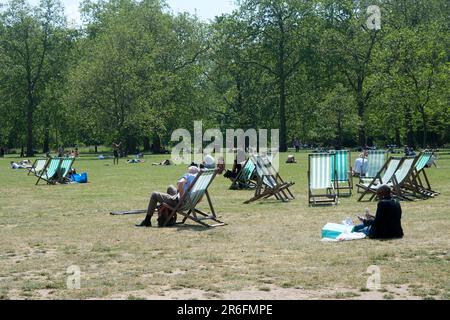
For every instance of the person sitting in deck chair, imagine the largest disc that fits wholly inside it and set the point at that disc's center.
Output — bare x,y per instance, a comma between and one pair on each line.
233,173
171,197
387,222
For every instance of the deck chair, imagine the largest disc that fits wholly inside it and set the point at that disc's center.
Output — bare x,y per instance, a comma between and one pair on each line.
49,173
384,176
420,186
66,165
244,177
187,206
402,179
37,167
376,159
269,181
319,178
341,174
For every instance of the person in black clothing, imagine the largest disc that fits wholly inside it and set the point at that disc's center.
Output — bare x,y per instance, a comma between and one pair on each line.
387,222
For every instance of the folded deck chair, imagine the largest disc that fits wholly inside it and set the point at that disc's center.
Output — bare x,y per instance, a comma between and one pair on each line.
402,180
244,177
269,182
37,167
319,178
341,174
187,205
418,185
383,176
376,159
66,165
50,172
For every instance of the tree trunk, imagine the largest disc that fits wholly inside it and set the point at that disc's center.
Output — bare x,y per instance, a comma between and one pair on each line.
147,145
156,147
30,151
361,108
398,141
425,127
46,146
283,133
96,148
409,131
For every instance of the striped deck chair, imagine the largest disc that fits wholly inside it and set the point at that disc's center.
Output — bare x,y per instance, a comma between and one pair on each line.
418,185
403,178
319,178
244,177
66,165
270,183
187,206
384,176
341,174
37,167
376,159
49,173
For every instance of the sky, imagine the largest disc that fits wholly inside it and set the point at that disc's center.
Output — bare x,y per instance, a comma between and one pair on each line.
205,9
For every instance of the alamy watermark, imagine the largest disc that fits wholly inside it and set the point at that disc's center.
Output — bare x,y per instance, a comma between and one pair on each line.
74,279
237,145
374,20
374,280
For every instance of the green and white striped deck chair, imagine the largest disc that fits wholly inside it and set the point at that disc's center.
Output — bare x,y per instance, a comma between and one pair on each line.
270,183
422,184
187,206
341,173
66,165
375,161
50,172
244,177
319,178
403,179
37,167
384,176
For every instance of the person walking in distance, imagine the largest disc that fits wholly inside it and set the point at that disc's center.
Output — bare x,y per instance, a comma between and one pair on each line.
116,147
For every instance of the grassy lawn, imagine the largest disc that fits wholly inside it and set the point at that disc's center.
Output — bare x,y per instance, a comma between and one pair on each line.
267,250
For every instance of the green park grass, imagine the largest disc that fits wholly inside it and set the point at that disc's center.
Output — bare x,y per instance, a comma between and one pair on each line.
266,246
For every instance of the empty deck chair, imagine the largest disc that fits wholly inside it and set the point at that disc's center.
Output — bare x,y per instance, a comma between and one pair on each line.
403,178
384,176
66,165
50,172
342,172
319,179
376,159
269,181
187,206
421,183
37,167
244,178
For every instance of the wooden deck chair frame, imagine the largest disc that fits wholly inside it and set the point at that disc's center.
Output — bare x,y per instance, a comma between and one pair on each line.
373,169
269,182
423,189
384,176
188,209
244,180
342,173
330,196
34,166
63,170
49,180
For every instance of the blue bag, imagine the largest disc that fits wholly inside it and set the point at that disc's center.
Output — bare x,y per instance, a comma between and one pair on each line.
80,178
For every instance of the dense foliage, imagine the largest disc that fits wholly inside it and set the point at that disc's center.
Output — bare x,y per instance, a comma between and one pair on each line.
135,72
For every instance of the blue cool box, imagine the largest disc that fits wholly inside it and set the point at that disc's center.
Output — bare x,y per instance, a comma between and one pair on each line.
333,230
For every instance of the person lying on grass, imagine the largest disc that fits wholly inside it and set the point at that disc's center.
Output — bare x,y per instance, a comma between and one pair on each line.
172,196
386,224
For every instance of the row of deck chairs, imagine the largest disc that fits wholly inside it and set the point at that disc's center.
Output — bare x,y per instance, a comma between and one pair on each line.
52,170
405,175
326,171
